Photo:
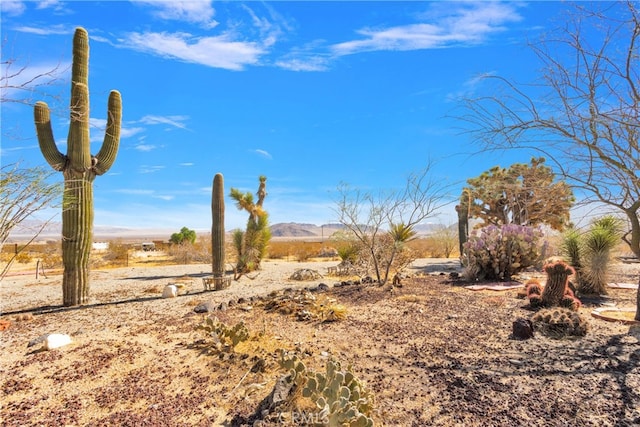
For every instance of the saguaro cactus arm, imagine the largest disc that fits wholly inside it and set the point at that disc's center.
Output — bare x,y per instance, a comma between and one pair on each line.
50,151
107,154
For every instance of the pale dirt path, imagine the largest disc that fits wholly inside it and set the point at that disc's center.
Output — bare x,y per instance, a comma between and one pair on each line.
25,292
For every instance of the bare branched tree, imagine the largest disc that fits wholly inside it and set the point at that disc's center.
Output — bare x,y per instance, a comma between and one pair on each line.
22,83
583,113
23,192
382,222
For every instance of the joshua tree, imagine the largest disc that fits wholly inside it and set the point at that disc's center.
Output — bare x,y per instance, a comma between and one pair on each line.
217,229
79,169
251,245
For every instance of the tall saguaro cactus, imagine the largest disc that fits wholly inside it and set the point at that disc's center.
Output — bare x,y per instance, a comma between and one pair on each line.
79,168
217,228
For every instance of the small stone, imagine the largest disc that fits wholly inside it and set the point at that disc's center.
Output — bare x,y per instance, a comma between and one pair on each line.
170,291
55,341
323,287
205,307
522,329
223,306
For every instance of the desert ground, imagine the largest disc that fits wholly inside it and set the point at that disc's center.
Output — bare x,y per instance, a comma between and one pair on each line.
432,352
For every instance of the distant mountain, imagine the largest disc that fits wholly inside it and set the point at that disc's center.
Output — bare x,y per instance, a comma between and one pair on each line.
298,230
294,229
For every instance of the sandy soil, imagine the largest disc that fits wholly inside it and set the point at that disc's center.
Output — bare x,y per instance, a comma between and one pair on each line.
431,351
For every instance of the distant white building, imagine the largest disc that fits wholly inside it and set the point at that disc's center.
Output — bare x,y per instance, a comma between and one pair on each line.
100,246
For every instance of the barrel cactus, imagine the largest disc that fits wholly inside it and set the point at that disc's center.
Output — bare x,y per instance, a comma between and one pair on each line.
79,169
557,283
217,229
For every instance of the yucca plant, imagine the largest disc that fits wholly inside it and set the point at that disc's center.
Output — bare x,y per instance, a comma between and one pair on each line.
400,234
589,253
571,248
603,236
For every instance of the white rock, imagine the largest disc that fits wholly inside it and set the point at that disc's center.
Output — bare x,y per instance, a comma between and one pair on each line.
170,291
56,340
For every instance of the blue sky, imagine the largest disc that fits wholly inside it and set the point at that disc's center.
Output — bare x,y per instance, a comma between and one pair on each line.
310,94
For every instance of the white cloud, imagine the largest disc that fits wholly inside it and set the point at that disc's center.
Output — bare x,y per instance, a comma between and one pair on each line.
164,197
452,24
263,153
186,164
46,31
193,11
126,132
175,121
145,147
12,8
216,52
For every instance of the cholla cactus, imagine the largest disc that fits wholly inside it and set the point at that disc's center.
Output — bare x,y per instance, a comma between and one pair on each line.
496,253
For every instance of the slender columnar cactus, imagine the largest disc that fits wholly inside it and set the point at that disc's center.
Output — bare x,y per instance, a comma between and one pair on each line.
217,227
79,168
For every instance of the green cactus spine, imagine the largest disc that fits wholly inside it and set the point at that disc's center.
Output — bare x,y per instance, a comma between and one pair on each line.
217,228
79,168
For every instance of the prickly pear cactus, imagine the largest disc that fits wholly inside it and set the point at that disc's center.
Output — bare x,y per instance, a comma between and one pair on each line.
341,398
217,228
225,338
79,168
337,393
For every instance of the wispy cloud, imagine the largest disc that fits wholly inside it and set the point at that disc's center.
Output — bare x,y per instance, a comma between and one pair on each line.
468,88
196,12
150,169
306,58
242,41
187,164
145,147
175,121
54,30
263,153
164,197
216,51
127,132
457,24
